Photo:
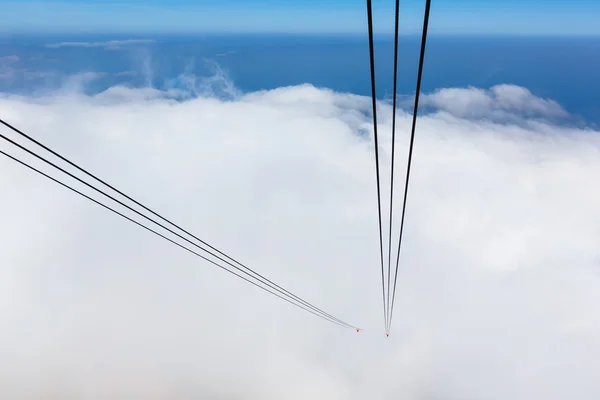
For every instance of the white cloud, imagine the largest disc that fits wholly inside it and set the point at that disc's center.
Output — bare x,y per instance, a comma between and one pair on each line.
107,45
500,103
498,284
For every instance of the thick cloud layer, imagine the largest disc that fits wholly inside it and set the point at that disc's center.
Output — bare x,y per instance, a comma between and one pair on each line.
499,278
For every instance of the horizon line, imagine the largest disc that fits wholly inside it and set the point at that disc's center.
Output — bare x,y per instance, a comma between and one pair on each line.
306,34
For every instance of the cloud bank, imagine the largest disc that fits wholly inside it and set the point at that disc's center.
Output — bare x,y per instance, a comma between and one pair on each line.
501,103
499,279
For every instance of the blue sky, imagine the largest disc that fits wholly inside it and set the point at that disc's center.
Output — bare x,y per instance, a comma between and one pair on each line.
531,17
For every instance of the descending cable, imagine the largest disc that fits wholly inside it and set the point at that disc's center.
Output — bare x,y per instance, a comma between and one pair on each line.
275,287
164,237
374,100
265,280
396,23
412,138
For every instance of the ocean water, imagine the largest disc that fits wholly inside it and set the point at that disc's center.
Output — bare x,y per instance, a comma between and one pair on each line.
563,69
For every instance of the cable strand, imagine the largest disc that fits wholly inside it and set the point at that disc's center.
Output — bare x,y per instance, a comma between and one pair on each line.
164,237
148,218
412,138
374,101
264,279
396,25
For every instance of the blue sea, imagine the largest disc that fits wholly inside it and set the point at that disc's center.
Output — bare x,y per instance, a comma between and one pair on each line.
565,69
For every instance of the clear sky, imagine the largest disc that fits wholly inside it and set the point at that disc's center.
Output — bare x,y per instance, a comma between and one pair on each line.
532,17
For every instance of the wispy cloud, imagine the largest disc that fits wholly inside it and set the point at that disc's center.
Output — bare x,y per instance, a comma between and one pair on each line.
126,73
7,69
227,53
9,59
108,45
